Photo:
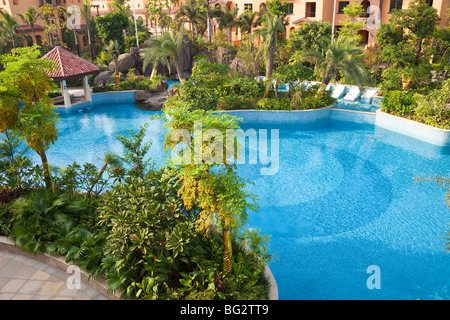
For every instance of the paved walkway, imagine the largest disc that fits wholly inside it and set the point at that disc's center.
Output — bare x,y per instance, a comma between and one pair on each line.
22,278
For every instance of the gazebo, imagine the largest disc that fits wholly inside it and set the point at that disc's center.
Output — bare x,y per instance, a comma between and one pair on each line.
70,66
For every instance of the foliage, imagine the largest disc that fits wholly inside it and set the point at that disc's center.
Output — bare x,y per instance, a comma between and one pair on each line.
17,172
312,98
292,75
272,26
398,102
340,57
167,45
206,179
434,108
309,35
405,43
274,104
110,27
351,26
24,82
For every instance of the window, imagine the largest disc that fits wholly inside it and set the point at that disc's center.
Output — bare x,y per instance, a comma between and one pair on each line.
311,9
248,7
342,5
429,2
4,2
395,4
290,8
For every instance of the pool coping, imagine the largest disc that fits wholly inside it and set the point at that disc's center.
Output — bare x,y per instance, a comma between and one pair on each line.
58,262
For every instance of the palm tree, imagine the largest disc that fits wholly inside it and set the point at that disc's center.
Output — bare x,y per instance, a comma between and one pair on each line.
9,24
155,57
340,56
228,20
30,17
87,15
167,45
272,25
247,21
113,50
189,13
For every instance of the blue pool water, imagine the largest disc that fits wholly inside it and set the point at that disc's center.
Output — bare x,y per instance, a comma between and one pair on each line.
342,200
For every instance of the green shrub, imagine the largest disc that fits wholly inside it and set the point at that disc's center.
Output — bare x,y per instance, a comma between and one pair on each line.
274,104
398,102
311,99
434,108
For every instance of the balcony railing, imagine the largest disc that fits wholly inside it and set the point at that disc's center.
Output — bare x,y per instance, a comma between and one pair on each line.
311,14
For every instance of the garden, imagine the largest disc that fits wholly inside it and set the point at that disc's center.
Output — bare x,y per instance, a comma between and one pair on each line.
178,232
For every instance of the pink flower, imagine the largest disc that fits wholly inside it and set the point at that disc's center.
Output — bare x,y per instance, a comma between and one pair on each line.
134,236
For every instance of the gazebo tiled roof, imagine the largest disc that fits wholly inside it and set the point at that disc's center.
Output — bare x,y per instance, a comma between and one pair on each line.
69,65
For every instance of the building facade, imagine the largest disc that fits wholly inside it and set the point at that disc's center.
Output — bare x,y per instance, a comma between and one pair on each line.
299,11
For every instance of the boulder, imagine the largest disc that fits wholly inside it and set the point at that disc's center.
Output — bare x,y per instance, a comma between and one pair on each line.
239,66
224,55
127,61
103,78
154,101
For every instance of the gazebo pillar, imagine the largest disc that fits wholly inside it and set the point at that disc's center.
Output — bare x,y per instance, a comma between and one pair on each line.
87,89
65,93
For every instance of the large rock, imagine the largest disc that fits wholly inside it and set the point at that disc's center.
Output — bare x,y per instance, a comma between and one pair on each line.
153,101
224,55
103,78
127,61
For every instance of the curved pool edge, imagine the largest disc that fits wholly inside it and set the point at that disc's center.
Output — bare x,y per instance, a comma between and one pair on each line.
273,288
413,129
58,262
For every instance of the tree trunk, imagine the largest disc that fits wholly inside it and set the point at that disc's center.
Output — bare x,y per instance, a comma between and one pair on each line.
100,173
91,47
270,59
418,52
230,36
47,176
34,35
179,71
76,42
227,249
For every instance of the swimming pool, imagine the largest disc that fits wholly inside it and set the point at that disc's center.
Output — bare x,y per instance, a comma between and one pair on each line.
343,200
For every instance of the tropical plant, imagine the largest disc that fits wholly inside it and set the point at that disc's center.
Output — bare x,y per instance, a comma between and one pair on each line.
9,25
87,16
168,45
272,25
247,21
308,35
30,17
190,12
207,181
227,20
113,51
111,26
339,57
25,106
403,43
398,102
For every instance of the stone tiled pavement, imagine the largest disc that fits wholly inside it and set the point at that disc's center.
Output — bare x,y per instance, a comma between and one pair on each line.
22,278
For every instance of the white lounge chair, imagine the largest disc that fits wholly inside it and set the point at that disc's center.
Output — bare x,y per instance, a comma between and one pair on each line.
353,94
338,91
368,94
